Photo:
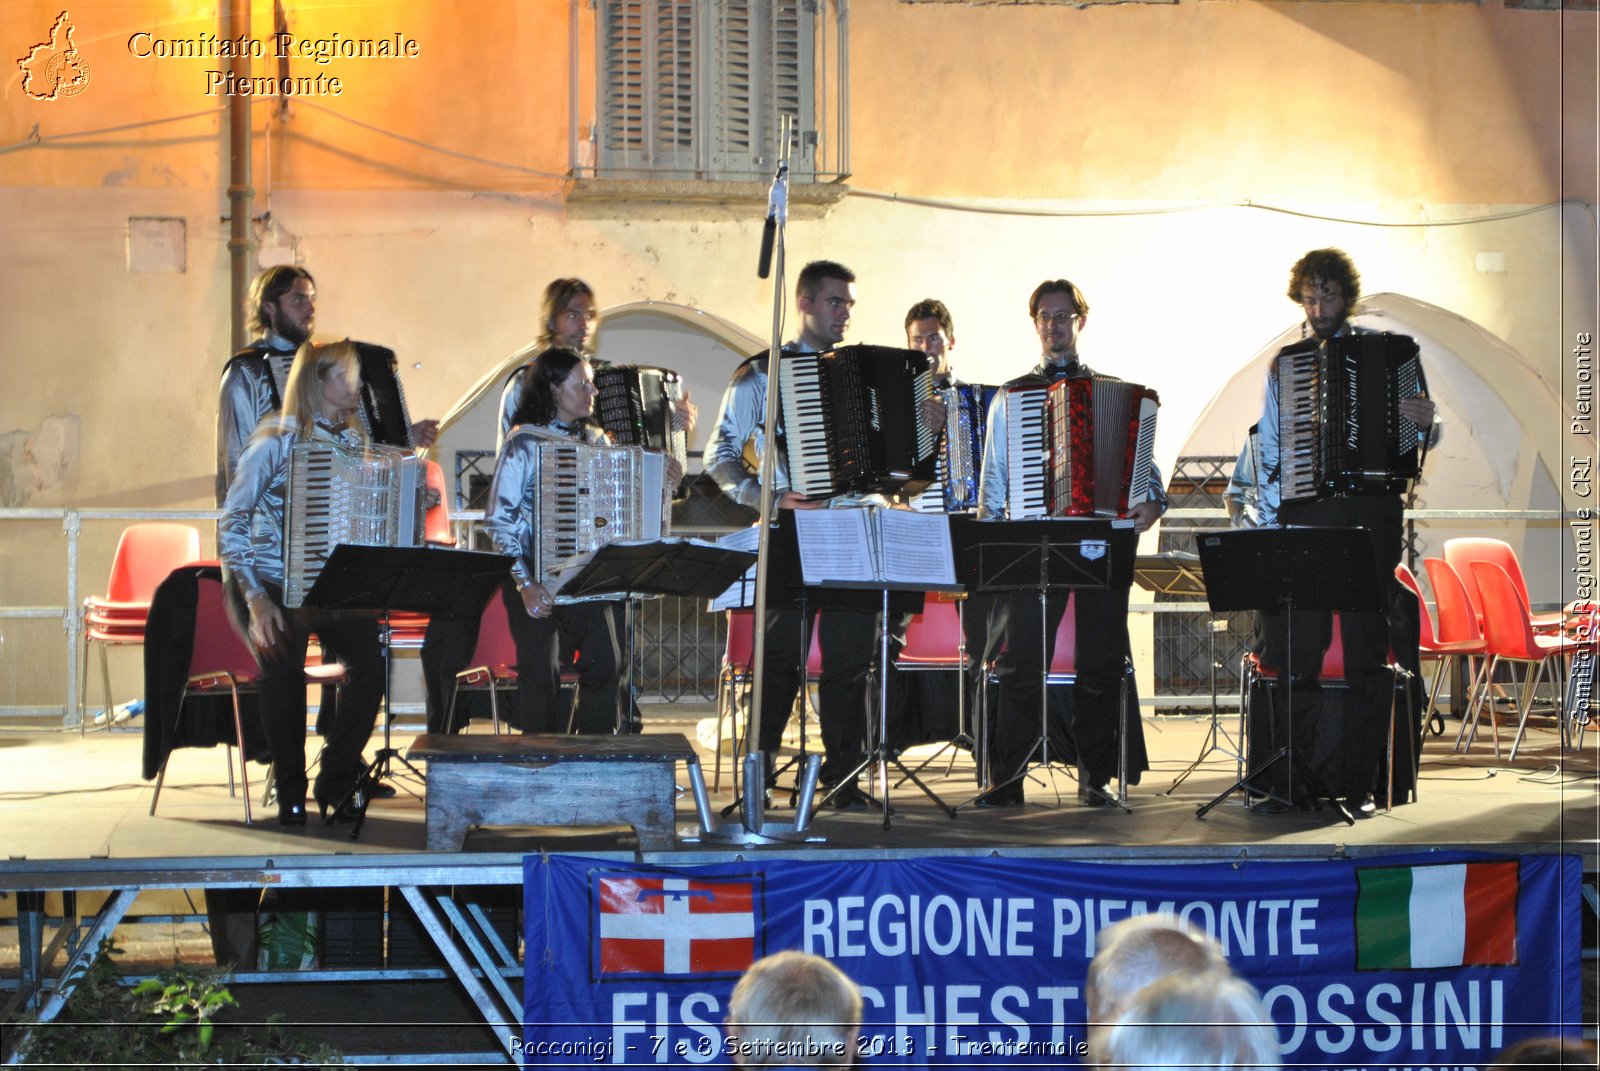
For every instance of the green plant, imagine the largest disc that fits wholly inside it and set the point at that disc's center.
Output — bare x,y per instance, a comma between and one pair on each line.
176,1020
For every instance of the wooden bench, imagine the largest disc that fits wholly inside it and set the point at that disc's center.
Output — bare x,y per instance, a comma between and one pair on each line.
553,781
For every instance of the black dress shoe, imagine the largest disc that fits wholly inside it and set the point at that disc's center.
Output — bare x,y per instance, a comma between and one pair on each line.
1004,796
1094,796
291,815
381,791
845,798
1361,806
345,809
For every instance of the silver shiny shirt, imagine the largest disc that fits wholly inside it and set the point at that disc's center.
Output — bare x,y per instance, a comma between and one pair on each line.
996,450
509,516
250,392
250,535
740,419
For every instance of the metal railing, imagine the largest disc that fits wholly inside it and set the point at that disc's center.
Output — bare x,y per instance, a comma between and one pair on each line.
681,643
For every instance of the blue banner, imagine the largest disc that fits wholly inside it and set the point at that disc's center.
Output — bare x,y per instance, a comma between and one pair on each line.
1428,961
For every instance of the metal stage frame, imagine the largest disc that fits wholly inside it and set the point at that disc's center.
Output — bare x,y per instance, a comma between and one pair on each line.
487,969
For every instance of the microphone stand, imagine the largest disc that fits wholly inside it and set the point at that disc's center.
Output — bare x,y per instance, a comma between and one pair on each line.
752,828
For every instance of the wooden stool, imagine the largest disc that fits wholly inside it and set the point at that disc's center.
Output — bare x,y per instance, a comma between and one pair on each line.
475,780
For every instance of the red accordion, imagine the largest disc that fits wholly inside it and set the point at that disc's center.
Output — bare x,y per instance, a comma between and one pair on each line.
1079,447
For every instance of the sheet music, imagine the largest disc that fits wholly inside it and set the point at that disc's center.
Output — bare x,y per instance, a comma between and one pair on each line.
916,547
836,544
742,592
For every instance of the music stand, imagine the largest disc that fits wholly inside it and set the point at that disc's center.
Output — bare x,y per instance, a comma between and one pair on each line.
1288,569
879,755
381,580
689,568
1059,553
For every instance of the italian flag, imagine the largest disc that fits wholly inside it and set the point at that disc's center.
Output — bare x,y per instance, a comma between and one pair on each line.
1456,915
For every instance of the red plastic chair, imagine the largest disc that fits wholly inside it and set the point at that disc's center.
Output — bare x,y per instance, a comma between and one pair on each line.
1463,551
1459,627
935,641
437,527
736,674
1510,637
221,663
1430,646
493,665
146,553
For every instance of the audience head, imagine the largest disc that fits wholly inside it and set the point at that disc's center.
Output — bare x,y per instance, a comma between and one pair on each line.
794,1009
1193,1022
1139,950
1537,1054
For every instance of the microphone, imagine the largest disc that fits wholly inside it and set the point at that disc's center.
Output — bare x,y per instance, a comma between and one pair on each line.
769,231
777,212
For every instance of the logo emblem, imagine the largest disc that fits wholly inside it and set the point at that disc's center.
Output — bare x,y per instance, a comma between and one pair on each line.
55,69
1092,549
675,926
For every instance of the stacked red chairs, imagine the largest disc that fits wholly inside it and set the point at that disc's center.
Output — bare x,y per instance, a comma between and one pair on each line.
146,553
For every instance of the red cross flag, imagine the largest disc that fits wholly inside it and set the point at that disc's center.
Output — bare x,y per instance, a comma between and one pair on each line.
655,925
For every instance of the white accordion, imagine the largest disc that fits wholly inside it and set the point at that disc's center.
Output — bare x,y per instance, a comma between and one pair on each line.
367,497
584,496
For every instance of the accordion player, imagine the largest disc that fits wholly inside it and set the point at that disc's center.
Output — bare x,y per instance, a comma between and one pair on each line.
556,497
637,406
1341,430
1077,447
853,421
369,497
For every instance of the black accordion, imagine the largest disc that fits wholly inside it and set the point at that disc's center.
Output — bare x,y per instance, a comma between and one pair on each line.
1340,430
1079,447
853,421
637,405
383,401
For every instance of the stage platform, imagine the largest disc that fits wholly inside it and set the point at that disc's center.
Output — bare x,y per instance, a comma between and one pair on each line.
74,820
71,804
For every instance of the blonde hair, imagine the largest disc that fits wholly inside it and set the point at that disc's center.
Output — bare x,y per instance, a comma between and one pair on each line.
1200,1022
313,364
794,1008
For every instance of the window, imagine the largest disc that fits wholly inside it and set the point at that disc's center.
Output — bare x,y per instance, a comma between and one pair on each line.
693,89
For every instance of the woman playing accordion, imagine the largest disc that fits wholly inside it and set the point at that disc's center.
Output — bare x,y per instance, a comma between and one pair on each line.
321,395
557,402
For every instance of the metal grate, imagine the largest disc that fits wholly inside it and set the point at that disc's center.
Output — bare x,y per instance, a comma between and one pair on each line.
1183,651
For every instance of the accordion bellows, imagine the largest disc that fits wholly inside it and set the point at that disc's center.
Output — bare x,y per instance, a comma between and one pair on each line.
1079,447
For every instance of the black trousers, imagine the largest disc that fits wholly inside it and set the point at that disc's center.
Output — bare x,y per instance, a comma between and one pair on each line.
447,647
584,627
350,639
1101,625
1366,635
850,640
